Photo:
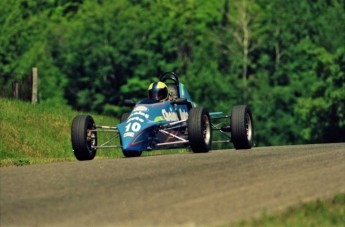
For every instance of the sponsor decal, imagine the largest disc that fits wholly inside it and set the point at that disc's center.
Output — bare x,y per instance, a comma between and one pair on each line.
135,119
183,114
173,116
140,108
140,114
129,134
170,116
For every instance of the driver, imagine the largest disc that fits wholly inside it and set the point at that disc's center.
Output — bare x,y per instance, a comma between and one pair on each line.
158,91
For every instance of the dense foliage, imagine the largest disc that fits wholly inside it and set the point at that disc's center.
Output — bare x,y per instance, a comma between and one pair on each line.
286,59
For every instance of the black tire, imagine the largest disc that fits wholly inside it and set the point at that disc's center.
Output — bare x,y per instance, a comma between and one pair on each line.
199,130
82,139
131,154
124,117
242,127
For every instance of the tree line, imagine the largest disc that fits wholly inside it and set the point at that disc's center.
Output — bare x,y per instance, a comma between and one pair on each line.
285,59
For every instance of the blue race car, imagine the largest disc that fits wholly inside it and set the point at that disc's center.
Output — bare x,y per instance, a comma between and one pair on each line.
167,119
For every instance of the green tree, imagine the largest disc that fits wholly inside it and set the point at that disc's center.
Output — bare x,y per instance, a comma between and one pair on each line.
322,112
282,58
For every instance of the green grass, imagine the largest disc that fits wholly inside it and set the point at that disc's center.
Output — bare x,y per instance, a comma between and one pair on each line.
318,213
32,134
39,133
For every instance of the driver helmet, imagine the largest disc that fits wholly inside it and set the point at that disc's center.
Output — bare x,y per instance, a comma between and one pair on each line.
158,91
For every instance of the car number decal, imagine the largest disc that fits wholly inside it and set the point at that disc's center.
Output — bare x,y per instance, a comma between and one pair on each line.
135,127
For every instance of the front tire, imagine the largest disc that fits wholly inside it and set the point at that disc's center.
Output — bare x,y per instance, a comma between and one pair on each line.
199,130
84,140
242,127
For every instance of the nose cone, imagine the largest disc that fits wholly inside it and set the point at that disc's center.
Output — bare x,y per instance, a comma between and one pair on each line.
127,139
133,137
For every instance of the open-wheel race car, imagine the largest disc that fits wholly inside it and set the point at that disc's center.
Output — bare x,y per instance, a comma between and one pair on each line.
175,122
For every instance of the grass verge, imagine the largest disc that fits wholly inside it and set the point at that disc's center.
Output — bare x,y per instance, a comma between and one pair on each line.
318,213
32,134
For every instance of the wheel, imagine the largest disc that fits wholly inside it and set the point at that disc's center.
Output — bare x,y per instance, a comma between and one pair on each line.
199,130
131,154
83,139
124,117
242,130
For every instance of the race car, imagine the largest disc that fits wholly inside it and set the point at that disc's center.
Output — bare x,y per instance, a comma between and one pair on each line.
172,123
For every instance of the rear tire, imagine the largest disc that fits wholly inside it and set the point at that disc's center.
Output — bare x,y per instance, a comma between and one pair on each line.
83,140
124,117
242,128
199,130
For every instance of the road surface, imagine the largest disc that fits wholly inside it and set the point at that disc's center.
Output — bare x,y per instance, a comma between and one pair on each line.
216,188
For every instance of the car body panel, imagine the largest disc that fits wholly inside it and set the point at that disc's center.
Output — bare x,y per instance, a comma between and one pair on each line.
139,131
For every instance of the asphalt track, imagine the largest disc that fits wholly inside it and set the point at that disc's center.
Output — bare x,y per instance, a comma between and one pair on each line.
216,188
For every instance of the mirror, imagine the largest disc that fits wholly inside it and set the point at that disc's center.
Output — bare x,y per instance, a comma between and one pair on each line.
129,103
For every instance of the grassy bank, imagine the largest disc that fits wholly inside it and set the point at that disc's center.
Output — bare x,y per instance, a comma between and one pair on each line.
40,133
318,213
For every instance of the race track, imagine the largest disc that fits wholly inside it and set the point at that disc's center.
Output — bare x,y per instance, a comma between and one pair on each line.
216,188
